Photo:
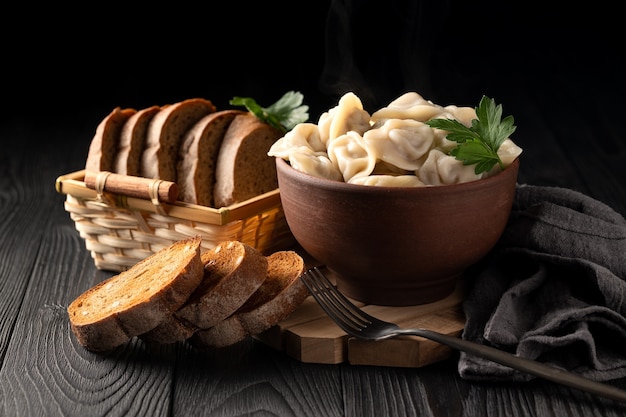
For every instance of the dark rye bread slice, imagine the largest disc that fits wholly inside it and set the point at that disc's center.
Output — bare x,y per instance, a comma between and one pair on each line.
165,134
138,299
198,157
244,169
233,271
131,142
104,144
278,297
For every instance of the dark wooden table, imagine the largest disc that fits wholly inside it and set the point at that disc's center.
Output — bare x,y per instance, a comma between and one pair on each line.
570,124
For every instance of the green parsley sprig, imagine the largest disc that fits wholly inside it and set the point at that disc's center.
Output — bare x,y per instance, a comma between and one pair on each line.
284,115
479,143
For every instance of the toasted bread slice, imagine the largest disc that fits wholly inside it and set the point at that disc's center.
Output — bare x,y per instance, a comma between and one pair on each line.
198,157
233,271
244,169
131,142
281,293
104,144
165,134
137,300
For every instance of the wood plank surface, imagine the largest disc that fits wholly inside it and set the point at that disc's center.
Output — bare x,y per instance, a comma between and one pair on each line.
309,335
410,351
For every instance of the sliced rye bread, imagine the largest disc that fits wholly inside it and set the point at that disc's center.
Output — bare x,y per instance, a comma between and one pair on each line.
233,271
104,144
243,168
131,142
198,157
278,297
165,134
138,299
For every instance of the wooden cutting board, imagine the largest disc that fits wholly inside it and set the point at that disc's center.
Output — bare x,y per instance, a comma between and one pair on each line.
308,335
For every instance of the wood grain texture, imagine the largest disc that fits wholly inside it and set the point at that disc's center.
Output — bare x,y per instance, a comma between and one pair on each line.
45,371
131,186
249,378
310,336
44,265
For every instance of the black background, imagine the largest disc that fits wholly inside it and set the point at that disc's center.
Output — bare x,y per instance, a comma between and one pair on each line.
66,64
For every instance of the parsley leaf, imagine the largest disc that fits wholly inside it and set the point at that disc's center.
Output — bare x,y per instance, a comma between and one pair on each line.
479,143
284,115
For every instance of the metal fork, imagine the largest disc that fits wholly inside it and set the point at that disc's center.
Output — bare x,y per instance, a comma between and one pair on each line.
358,323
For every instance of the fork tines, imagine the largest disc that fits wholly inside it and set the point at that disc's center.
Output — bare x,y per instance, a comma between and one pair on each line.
347,316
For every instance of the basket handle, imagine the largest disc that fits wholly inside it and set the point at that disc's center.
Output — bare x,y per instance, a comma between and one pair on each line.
131,186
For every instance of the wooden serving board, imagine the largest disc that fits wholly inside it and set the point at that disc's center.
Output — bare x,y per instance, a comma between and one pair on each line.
309,335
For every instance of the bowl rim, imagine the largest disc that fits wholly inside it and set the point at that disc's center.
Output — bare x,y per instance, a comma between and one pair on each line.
325,183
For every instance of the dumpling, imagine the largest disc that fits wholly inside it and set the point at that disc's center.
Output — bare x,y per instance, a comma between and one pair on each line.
441,142
315,163
347,116
389,181
385,168
400,142
508,151
303,135
464,115
351,155
392,147
442,169
408,106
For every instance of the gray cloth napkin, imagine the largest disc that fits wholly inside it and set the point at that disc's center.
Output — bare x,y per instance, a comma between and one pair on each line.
553,289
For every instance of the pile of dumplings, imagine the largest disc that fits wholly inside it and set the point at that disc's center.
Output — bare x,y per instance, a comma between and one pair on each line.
391,147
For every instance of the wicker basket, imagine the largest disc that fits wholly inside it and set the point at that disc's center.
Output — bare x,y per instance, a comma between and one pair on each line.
120,230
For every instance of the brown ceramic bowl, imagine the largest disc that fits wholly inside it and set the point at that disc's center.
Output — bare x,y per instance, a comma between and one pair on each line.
396,246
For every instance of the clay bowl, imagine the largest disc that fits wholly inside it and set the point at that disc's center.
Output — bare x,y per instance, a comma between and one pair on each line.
396,246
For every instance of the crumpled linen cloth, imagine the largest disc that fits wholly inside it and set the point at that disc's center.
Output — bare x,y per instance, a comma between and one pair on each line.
553,289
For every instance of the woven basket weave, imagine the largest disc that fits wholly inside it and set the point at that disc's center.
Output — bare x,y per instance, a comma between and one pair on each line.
119,230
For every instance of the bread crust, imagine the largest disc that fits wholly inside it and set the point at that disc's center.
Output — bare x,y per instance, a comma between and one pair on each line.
281,293
137,300
233,271
131,141
198,154
165,134
170,330
243,168
225,333
276,304
104,144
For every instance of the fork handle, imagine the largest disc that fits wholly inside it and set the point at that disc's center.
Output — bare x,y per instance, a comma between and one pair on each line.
522,364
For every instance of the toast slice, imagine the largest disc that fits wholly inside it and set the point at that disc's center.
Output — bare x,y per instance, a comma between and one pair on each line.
165,134
244,169
233,271
138,299
278,297
131,142
198,157
104,144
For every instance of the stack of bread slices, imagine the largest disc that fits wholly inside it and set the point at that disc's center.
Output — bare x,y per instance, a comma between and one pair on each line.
216,157
211,299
